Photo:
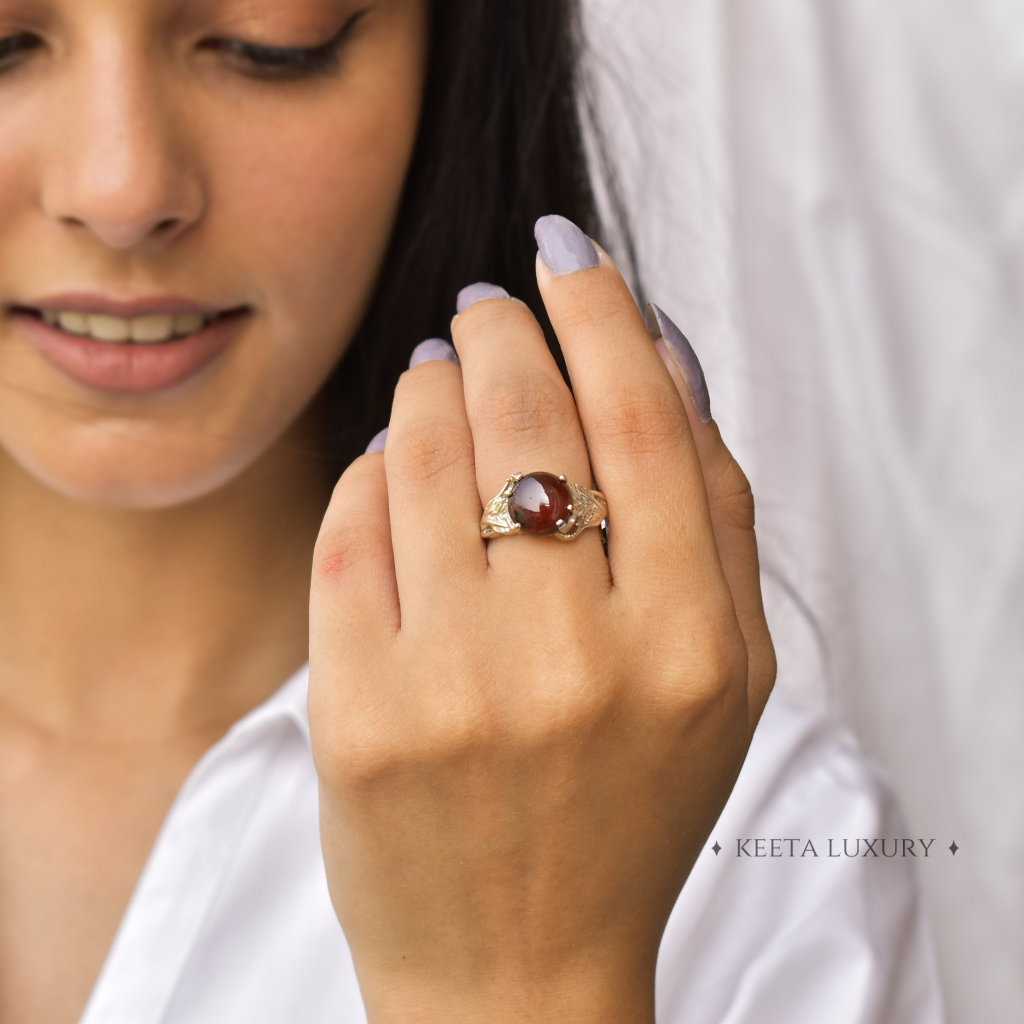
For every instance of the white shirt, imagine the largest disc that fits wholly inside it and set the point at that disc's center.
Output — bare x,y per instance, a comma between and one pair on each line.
231,922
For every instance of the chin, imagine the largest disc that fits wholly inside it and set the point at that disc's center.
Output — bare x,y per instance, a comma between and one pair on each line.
134,473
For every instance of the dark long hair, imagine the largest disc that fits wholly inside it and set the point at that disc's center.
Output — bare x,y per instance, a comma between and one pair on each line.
501,143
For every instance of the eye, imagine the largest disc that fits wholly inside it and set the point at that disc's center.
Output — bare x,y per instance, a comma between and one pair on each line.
13,48
285,62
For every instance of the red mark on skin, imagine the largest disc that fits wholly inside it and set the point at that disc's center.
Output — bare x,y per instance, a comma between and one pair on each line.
331,567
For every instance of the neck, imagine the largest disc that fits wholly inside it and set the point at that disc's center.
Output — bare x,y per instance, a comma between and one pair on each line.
148,625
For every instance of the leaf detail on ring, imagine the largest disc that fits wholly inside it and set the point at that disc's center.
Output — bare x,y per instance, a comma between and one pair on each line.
496,518
584,507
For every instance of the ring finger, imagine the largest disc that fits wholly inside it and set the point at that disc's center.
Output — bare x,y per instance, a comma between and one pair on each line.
521,413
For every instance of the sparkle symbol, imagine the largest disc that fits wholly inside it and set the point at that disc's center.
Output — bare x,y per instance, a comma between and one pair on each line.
953,847
716,848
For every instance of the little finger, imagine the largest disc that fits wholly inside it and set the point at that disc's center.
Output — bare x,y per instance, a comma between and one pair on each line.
731,503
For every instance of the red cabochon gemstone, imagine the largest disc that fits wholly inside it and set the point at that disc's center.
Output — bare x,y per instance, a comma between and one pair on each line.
538,502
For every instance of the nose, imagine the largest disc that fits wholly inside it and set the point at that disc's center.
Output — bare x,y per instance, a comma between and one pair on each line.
118,166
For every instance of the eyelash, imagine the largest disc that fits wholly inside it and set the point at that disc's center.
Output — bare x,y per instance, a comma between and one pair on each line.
278,63
283,63
14,46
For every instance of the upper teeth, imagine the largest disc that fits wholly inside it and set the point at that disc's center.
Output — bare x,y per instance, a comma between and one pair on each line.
145,330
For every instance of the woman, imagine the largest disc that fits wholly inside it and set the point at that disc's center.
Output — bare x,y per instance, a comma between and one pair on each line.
225,226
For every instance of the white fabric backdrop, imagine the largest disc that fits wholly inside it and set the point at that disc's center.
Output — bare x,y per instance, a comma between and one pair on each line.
830,197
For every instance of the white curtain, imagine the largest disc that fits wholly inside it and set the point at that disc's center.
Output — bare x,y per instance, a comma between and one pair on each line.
829,196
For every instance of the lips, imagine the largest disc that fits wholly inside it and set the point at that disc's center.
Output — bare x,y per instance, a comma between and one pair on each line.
135,347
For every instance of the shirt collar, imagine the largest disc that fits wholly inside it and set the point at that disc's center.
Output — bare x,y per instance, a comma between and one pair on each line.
288,703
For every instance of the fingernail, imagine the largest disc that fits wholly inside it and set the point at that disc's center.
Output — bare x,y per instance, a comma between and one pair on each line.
477,293
432,348
377,444
563,247
662,328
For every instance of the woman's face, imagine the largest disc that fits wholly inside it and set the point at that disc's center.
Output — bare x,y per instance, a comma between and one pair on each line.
195,200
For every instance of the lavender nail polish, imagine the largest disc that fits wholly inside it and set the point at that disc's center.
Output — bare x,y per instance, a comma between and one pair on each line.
431,349
477,293
563,247
661,327
377,444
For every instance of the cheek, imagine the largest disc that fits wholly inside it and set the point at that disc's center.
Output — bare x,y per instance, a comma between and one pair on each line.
311,208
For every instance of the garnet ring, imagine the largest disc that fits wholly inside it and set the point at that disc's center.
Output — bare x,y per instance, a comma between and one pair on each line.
543,505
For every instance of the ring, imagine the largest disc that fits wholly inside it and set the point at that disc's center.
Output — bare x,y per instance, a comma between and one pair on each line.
543,505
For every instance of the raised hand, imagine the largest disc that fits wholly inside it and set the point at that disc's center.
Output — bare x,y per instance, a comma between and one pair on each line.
523,744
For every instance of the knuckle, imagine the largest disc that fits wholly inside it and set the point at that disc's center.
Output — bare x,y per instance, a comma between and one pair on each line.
455,731
601,311
492,321
359,758
522,404
767,669
731,498
641,421
426,379
355,531
764,663
340,550
583,703
439,737
473,726
723,664
702,661
429,451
